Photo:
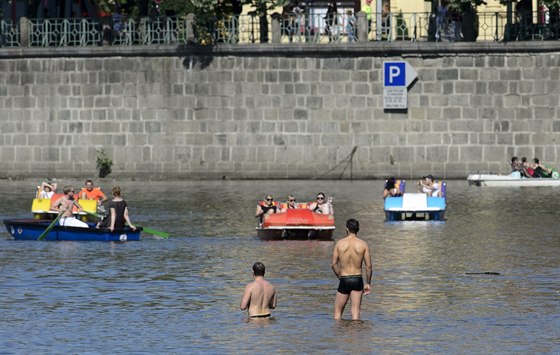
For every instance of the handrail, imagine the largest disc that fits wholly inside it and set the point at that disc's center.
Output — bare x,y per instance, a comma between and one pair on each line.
313,28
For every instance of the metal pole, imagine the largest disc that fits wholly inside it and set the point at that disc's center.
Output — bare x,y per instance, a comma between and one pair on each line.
378,11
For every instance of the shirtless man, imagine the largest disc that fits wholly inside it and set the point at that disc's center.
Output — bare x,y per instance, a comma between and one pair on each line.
348,255
65,205
259,296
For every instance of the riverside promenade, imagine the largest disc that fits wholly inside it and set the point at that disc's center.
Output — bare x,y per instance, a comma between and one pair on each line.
277,110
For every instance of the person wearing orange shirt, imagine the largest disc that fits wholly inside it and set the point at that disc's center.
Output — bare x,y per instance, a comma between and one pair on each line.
92,193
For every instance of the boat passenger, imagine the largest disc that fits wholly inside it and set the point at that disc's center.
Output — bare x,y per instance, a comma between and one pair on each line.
265,208
540,170
65,205
516,167
47,189
290,204
90,193
391,188
527,170
118,214
322,206
429,187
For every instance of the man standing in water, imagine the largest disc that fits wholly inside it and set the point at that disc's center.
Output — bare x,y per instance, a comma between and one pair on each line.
259,296
348,255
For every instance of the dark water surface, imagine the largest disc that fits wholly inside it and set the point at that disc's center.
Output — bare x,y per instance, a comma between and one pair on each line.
182,295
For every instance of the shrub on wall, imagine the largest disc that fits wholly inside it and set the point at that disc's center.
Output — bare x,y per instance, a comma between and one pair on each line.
104,163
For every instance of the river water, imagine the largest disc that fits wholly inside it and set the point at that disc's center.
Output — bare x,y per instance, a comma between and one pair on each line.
182,295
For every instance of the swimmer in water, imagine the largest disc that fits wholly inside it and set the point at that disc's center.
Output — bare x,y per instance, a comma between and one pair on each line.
259,296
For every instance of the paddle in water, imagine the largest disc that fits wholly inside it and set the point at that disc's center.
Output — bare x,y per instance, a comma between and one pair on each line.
51,226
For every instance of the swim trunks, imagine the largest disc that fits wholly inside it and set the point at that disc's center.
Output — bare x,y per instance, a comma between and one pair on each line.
261,316
350,283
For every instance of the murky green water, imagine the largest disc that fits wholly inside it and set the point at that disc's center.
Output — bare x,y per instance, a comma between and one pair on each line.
182,295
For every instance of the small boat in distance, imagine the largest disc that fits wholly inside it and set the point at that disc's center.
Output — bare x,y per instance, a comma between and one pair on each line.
415,206
495,180
31,229
299,223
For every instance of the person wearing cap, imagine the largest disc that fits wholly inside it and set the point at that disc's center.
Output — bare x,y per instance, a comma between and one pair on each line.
429,187
47,189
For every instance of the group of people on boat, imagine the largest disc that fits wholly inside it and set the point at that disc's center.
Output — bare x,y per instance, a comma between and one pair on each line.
65,204
427,185
535,169
322,205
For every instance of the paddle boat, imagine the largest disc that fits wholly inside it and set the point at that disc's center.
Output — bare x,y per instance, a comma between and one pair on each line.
42,208
298,223
512,180
31,229
415,206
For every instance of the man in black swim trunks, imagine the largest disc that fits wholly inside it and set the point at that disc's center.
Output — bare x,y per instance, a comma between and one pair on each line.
259,296
348,256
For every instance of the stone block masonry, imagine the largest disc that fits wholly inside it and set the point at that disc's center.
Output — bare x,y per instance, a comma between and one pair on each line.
275,112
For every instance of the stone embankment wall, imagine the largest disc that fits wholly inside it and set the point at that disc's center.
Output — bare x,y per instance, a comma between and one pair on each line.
276,111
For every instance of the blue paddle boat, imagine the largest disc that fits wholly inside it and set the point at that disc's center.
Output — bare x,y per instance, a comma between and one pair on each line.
31,229
416,206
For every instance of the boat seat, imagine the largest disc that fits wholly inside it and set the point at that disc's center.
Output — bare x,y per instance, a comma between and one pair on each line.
415,202
303,205
41,205
88,205
442,187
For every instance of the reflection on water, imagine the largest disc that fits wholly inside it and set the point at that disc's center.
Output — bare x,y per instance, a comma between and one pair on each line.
183,294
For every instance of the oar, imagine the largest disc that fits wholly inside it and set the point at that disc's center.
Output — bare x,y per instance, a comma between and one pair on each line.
51,226
145,229
155,232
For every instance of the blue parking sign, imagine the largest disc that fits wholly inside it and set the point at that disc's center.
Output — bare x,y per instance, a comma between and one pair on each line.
394,74
398,74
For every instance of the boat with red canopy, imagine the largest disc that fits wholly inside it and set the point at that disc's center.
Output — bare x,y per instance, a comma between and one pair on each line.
298,223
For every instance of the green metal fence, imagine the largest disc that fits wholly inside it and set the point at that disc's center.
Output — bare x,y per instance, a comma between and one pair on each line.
286,28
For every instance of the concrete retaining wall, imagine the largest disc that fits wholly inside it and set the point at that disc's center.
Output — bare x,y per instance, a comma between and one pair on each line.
274,112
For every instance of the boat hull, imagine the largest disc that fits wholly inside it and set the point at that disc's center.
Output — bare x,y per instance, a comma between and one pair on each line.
31,229
295,234
414,207
492,180
297,224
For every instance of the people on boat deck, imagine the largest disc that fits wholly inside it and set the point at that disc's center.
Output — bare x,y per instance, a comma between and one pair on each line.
65,204
265,208
348,256
47,189
516,167
391,189
322,206
290,203
118,213
539,170
429,187
89,192
527,170
259,296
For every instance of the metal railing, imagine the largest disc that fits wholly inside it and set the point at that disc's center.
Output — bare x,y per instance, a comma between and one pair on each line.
287,28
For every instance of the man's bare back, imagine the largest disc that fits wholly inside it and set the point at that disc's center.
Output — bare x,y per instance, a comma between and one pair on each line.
350,252
348,256
260,295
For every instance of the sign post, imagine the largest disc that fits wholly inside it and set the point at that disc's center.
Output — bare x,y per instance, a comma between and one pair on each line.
397,76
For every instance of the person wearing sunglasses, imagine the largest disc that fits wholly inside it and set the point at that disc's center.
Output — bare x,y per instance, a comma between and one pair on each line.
64,205
265,208
322,206
290,204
